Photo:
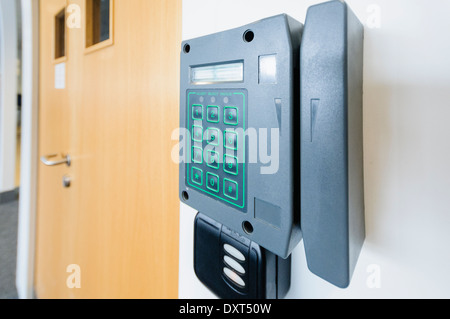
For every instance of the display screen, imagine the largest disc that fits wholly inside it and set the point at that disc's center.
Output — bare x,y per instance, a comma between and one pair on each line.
218,73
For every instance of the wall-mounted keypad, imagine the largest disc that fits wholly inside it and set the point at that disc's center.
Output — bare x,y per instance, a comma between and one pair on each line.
217,163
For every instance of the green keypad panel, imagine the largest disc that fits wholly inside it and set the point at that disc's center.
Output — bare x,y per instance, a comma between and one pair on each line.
217,123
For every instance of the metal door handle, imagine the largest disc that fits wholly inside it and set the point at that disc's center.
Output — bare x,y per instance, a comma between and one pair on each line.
46,160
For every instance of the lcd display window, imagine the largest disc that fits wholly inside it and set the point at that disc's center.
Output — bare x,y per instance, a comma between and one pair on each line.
218,73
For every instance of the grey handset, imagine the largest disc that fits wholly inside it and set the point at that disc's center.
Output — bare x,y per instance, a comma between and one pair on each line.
238,93
298,93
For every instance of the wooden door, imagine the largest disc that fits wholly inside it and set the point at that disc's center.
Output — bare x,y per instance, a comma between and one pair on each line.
118,220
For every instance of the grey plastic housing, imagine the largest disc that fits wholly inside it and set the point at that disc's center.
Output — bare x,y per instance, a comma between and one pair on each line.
272,204
332,182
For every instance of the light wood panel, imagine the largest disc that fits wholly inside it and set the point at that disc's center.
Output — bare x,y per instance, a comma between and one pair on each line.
53,201
119,220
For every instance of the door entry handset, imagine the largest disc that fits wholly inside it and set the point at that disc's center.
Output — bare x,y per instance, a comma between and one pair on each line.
296,91
232,86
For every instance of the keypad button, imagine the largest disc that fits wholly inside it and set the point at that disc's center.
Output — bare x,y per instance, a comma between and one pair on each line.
231,140
197,133
213,159
197,155
212,136
231,115
230,189
197,112
235,278
234,265
197,176
213,114
230,165
212,182
234,252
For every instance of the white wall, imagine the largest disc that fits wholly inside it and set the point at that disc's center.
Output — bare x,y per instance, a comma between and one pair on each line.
8,94
407,147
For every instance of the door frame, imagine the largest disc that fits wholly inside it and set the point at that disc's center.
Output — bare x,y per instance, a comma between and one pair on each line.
26,241
8,95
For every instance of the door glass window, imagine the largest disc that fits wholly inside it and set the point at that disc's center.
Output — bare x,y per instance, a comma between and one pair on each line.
98,21
60,34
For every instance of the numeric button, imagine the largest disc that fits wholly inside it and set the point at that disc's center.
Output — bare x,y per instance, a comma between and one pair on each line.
213,159
230,165
231,115
197,133
212,136
231,140
197,112
197,155
213,114
212,182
